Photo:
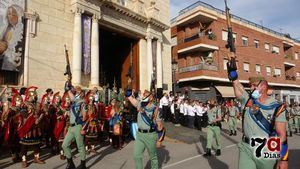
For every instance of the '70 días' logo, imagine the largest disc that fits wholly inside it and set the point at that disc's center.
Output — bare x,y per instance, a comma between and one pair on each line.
273,147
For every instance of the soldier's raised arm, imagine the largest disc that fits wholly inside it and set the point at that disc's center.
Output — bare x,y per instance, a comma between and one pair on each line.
132,100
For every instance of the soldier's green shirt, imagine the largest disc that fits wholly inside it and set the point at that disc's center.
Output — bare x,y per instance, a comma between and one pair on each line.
213,114
251,129
233,111
149,111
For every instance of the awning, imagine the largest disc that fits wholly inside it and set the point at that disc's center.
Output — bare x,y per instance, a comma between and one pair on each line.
226,91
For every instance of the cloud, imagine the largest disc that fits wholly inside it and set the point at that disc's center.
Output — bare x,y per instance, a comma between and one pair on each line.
279,15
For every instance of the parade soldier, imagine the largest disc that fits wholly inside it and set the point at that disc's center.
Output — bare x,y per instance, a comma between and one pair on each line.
146,136
263,117
47,124
290,118
30,127
59,108
296,110
214,128
10,118
91,125
77,118
232,119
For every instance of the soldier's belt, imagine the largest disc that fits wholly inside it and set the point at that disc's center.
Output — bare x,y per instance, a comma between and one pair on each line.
146,131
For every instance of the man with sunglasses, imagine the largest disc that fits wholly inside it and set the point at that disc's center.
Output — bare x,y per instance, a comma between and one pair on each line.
263,118
147,137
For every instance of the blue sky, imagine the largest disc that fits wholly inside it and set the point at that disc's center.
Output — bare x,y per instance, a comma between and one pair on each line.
279,15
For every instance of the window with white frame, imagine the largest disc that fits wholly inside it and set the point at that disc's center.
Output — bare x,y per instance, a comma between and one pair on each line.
267,47
277,72
257,69
296,56
245,41
268,70
225,61
246,67
275,49
256,44
225,35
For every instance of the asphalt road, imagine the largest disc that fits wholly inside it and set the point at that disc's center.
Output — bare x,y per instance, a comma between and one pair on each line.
182,148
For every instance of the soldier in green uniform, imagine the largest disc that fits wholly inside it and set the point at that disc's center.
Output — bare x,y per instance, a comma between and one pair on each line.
213,129
296,110
263,118
77,118
146,137
232,119
290,118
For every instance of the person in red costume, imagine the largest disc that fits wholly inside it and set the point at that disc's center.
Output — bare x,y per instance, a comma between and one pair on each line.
29,129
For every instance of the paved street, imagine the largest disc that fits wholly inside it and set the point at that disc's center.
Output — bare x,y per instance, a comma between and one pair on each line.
183,148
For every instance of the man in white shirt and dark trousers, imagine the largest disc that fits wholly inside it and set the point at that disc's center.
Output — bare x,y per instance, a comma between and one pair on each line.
191,114
199,115
164,102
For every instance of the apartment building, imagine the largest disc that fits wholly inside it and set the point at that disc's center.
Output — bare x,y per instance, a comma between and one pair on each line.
199,37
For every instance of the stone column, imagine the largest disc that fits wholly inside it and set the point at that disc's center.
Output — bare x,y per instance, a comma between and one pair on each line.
159,64
77,48
149,60
26,54
95,53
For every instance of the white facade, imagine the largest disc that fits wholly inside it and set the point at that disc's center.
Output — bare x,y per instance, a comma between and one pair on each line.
59,23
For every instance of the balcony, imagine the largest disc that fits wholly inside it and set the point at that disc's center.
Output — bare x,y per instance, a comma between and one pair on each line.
198,42
289,77
201,66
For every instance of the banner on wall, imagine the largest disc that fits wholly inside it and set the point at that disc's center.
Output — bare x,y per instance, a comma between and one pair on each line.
86,45
11,34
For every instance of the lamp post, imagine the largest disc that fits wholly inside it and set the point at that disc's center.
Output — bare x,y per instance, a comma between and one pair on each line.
174,68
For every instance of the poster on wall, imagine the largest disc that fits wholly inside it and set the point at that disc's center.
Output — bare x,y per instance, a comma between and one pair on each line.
86,45
11,34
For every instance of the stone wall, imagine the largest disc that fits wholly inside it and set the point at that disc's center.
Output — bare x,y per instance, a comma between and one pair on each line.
46,50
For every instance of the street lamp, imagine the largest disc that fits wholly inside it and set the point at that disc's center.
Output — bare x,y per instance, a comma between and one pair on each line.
174,68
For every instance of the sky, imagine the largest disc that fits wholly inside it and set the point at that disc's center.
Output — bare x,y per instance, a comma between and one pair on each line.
279,15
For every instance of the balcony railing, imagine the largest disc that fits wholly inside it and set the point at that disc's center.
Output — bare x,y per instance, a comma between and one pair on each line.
200,3
201,66
288,56
196,36
288,77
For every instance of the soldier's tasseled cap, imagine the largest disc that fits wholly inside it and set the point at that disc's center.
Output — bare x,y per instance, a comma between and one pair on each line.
255,79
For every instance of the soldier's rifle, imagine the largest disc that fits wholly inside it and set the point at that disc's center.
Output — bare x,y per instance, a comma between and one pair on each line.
68,72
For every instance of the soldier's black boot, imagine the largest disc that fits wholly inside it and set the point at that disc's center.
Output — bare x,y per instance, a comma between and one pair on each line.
291,134
82,165
70,164
234,132
231,133
208,152
218,152
296,131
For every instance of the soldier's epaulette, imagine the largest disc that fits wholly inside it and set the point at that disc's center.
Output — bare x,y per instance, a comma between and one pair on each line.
279,110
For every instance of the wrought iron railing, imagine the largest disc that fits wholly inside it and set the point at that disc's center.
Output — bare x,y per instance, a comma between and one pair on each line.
201,66
203,4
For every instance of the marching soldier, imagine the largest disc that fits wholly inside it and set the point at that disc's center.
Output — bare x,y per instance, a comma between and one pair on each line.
263,117
232,121
146,136
47,123
30,127
10,118
77,118
290,118
91,126
296,110
60,109
214,128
